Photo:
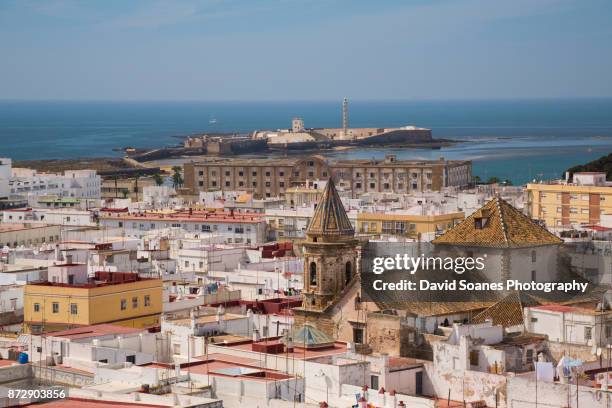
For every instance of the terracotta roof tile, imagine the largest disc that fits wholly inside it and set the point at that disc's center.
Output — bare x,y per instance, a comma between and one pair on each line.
508,311
498,225
330,217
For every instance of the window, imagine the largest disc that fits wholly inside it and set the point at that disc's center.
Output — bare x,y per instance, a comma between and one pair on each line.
474,357
130,359
282,173
357,335
374,382
123,304
227,173
533,256
36,307
254,174
529,356
348,272
227,184
241,173
254,184
214,183
55,307
200,173
588,332
134,302
372,185
480,222
281,184
74,309
147,300
267,174
533,276
313,273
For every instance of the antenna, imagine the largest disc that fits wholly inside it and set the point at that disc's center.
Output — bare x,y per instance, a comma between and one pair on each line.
345,117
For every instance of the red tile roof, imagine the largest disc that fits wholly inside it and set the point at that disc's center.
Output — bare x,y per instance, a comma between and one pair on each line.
86,403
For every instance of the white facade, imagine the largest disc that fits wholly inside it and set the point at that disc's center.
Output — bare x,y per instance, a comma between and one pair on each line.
210,257
73,183
66,217
247,232
5,177
590,179
68,273
160,196
571,325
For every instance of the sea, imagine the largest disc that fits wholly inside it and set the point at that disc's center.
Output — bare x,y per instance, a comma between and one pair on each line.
518,140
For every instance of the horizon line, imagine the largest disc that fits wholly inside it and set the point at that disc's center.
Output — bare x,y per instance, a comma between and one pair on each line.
311,100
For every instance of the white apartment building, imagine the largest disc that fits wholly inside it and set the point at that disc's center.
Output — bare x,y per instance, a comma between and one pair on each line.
232,228
50,216
5,177
570,324
73,183
209,257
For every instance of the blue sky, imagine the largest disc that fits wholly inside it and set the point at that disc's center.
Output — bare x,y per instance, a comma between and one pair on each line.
305,49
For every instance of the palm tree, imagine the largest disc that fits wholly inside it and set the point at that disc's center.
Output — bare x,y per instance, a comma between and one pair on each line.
159,180
177,178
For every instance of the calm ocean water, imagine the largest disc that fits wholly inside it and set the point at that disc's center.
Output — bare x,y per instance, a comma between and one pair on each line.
518,140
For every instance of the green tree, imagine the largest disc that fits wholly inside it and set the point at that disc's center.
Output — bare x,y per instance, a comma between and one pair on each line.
159,180
493,180
177,177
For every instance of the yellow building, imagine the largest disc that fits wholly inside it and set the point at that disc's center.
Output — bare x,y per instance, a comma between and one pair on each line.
406,224
563,205
123,299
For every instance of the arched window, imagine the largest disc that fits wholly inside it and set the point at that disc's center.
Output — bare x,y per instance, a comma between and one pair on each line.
313,274
348,272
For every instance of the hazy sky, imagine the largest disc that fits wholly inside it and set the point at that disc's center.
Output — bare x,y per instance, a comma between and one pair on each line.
308,49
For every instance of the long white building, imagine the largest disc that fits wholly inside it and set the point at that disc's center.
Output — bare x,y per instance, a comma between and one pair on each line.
73,183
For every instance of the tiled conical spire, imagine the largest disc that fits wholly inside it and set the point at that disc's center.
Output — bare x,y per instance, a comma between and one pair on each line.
330,218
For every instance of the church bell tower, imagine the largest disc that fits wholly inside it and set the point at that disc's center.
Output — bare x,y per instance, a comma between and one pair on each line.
329,251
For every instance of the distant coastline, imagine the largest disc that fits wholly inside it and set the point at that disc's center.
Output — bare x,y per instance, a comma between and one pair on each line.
519,140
